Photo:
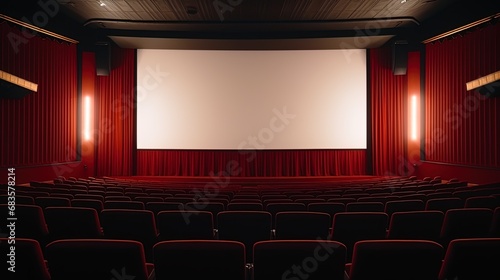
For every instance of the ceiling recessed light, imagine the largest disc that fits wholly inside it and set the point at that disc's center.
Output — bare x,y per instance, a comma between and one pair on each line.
191,10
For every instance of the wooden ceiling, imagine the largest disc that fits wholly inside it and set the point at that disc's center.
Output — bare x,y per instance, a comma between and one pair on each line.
245,23
250,10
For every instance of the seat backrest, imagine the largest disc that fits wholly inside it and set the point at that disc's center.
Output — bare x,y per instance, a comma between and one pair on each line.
247,227
466,223
35,194
99,259
137,225
355,195
348,228
72,222
471,259
90,196
302,225
274,208
88,203
222,199
364,207
273,196
146,199
45,202
422,225
331,208
245,200
444,204
212,207
396,259
20,199
382,199
116,197
489,202
137,205
308,201
243,206
63,195
115,189
495,223
344,200
326,197
157,207
441,194
266,202
182,200
32,225
294,197
246,196
182,225
299,259
199,259
26,261
403,206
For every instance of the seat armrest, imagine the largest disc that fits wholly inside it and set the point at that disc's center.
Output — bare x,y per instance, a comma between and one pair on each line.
150,269
347,270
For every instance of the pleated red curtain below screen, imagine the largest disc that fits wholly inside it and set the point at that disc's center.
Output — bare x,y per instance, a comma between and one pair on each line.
251,163
462,127
115,116
388,115
40,128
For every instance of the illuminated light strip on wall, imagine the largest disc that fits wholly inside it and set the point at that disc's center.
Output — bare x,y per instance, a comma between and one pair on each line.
86,119
413,112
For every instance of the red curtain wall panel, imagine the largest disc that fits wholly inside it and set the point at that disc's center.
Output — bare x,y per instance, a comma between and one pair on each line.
462,127
248,163
115,136
41,127
388,115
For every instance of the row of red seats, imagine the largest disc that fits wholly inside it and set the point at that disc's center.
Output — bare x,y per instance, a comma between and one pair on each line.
53,223
464,259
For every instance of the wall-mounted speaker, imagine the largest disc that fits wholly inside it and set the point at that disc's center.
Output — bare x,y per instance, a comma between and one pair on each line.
399,57
103,58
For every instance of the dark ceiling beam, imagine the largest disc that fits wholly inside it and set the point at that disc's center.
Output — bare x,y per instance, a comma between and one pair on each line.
37,29
245,35
463,28
169,25
460,13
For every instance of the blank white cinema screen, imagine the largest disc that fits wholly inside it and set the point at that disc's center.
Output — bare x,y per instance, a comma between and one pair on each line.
232,100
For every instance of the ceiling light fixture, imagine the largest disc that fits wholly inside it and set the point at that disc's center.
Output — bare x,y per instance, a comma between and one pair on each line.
191,10
102,4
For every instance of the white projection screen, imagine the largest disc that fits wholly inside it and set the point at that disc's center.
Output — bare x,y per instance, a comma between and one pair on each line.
233,100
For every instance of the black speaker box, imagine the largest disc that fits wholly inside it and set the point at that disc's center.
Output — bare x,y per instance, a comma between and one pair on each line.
103,59
399,57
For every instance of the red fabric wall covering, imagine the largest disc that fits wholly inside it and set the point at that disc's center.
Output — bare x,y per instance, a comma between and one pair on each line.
251,163
462,127
388,115
464,173
41,127
114,123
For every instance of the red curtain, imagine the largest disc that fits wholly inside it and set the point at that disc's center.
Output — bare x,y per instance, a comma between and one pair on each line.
251,163
40,128
115,117
462,127
388,115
